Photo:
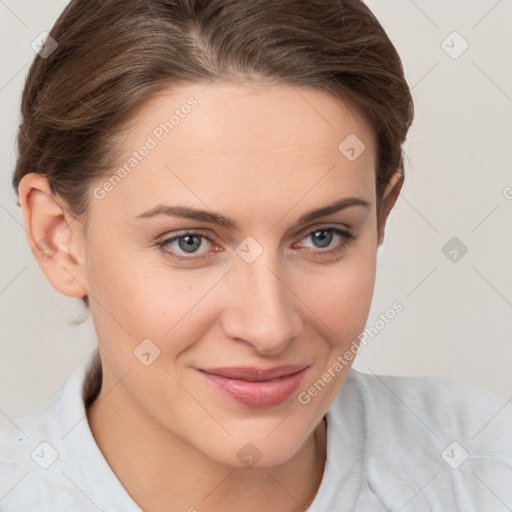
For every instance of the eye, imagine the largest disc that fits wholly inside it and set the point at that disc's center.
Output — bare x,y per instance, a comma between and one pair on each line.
191,242
188,243
324,236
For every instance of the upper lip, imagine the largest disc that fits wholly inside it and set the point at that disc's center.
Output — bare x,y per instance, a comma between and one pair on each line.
255,374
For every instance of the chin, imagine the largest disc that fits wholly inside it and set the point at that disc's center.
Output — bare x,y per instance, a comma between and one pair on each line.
262,450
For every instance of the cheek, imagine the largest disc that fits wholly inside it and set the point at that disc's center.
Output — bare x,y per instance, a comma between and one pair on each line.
138,297
135,295
341,302
340,295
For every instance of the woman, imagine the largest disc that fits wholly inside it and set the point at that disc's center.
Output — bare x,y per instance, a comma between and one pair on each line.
213,179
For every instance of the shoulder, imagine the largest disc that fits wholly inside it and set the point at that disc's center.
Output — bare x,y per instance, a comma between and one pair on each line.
439,402
444,441
435,413
28,447
37,464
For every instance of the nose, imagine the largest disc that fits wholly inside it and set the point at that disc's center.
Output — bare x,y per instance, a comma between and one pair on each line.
262,309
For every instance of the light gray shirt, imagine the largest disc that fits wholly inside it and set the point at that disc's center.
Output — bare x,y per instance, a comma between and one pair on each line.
398,444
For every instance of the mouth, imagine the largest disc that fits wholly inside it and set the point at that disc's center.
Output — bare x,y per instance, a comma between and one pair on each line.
256,387
252,374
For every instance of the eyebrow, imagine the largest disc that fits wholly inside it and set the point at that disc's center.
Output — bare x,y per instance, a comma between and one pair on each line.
221,220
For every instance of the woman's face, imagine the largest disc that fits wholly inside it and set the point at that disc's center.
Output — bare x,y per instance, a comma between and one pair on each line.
249,284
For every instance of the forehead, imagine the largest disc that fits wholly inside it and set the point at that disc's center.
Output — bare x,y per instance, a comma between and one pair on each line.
258,116
242,142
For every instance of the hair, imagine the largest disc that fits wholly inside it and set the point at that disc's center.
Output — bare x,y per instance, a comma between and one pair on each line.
114,55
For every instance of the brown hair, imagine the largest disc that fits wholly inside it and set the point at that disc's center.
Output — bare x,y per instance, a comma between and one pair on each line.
114,55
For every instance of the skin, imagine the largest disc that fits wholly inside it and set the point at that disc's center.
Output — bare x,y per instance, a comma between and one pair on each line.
263,155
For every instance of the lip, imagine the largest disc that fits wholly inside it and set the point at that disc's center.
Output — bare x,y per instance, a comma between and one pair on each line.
257,387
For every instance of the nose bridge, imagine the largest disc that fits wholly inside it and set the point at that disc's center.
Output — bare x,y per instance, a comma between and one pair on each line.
263,310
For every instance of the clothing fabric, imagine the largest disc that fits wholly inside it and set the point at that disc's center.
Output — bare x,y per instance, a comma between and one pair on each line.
398,444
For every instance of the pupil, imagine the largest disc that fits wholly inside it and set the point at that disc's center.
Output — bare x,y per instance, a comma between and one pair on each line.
191,243
324,240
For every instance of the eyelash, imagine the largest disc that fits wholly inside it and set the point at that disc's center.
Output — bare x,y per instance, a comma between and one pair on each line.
346,235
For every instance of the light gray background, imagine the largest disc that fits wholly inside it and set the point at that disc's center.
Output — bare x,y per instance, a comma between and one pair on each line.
456,320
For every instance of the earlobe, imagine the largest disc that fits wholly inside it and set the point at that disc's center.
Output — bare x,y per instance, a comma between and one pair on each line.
389,198
54,236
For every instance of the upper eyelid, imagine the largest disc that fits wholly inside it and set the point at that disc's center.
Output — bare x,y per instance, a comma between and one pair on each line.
307,231
303,233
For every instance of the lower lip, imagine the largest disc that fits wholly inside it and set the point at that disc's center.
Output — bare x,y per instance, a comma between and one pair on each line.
258,394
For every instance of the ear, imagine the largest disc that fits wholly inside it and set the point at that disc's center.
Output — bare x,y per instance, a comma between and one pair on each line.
389,197
54,235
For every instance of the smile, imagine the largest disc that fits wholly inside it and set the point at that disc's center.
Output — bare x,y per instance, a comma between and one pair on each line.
257,387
